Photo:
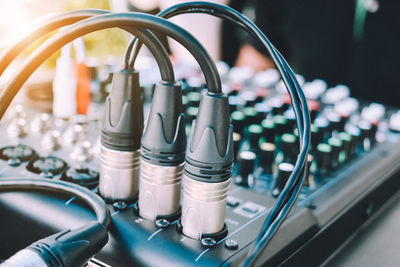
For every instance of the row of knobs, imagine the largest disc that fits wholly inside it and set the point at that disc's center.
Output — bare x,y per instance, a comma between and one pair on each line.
53,140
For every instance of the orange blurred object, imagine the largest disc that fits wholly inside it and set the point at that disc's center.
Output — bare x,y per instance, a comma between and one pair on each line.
82,88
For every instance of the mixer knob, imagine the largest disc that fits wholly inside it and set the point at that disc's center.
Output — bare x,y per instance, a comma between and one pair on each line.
281,125
51,141
346,140
237,138
82,151
337,146
19,112
245,169
251,115
368,133
17,128
291,119
41,123
254,134
74,134
308,175
355,133
288,147
316,136
324,163
238,122
266,160
269,130
324,127
283,174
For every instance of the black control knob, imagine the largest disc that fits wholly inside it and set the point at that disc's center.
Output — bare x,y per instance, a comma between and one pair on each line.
250,98
237,138
323,125
368,133
316,136
324,163
234,102
280,124
356,139
266,160
254,133
245,169
346,140
337,146
238,122
289,147
269,130
81,176
283,174
251,115
291,119
336,122
308,175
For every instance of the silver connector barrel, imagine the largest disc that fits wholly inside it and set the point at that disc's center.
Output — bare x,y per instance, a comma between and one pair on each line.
119,174
25,257
159,190
203,207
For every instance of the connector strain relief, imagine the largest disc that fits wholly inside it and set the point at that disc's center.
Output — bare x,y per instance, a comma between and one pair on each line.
122,125
205,163
72,247
164,140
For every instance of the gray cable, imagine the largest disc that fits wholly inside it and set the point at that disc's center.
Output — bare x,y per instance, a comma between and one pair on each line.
54,22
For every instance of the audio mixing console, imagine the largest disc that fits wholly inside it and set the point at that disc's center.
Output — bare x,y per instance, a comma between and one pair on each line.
353,168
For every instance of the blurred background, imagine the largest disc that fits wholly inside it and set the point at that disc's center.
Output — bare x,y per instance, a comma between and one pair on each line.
351,42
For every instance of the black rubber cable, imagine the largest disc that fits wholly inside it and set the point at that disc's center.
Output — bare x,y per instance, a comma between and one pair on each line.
107,21
32,184
293,186
287,75
54,22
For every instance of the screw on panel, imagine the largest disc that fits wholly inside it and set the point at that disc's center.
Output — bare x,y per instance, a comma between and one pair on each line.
162,223
120,205
208,242
231,244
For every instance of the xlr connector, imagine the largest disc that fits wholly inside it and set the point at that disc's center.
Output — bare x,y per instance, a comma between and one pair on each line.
120,138
208,168
162,154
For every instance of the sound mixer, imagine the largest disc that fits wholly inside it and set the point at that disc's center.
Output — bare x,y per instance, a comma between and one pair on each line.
283,173
266,159
324,160
246,164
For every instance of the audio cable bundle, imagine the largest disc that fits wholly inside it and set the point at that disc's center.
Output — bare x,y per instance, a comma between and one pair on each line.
151,163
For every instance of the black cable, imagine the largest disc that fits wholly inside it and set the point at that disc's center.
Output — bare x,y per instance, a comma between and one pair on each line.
287,75
284,203
91,199
67,248
50,24
107,21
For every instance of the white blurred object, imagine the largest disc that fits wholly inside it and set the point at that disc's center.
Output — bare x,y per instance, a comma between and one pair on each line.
64,85
267,78
314,89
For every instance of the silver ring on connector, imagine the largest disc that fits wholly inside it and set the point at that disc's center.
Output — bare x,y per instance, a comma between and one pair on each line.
119,174
159,189
203,207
